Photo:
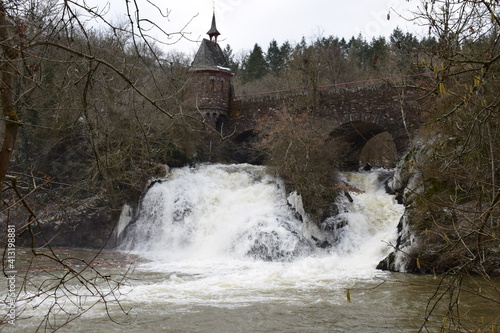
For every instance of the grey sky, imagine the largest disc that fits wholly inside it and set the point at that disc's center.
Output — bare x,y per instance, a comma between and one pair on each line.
242,23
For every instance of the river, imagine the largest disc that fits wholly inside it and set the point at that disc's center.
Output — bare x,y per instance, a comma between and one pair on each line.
220,249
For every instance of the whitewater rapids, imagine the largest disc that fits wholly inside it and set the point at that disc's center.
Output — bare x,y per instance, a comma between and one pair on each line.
226,233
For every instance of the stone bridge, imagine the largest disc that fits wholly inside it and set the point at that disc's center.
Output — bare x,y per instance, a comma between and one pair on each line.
355,113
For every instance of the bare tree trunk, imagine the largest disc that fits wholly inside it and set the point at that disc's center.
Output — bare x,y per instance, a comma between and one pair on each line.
9,110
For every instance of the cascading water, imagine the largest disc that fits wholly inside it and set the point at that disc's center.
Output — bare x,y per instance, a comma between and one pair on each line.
227,236
217,211
364,231
240,212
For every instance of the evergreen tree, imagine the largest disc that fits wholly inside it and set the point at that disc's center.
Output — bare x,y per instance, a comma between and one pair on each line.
343,46
403,46
255,66
286,52
274,58
378,52
358,51
232,63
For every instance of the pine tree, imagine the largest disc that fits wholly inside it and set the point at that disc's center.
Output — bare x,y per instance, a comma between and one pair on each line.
233,64
275,58
255,66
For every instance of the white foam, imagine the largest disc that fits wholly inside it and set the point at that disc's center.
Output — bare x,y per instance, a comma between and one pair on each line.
200,226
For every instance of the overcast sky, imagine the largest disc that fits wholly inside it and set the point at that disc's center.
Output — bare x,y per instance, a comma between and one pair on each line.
242,23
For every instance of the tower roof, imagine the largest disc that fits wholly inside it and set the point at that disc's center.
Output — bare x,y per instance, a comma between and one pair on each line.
213,32
210,57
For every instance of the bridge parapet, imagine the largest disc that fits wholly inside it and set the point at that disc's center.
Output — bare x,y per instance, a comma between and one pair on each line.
325,89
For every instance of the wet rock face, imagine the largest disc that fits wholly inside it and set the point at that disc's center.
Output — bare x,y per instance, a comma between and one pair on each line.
432,238
405,185
90,227
87,223
388,263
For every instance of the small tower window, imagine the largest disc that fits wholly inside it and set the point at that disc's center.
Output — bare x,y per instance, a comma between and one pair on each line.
212,84
222,85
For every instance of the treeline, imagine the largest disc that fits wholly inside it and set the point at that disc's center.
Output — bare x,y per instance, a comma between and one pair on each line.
328,60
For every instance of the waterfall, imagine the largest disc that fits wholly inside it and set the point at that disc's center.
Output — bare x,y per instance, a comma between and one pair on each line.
218,211
365,230
241,212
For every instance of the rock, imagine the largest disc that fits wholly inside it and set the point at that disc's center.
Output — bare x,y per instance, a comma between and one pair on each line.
162,171
86,223
387,264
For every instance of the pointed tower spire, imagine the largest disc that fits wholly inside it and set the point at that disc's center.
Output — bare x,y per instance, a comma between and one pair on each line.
213,32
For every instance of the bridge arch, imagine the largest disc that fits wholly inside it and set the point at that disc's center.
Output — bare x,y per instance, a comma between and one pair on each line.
244,148
357,134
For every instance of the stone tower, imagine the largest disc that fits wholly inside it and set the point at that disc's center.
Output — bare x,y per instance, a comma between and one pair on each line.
211,80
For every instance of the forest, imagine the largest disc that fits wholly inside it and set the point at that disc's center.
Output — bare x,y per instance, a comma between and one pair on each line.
321,60
90,115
